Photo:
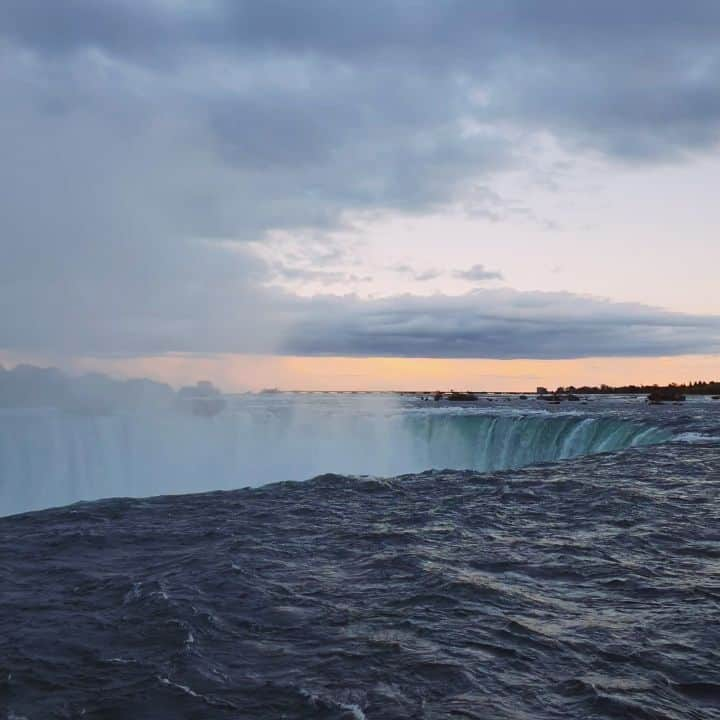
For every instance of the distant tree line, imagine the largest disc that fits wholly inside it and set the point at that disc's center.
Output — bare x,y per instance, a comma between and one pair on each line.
699,387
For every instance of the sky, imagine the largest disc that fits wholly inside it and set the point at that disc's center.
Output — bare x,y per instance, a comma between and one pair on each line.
362,195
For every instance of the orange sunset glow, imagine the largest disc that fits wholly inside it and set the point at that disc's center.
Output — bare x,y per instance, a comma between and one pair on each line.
239,373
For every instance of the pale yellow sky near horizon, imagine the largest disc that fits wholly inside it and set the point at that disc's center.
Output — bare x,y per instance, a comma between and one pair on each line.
645,234
237,373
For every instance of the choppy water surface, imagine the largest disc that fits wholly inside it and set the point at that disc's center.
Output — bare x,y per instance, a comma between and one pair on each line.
585,589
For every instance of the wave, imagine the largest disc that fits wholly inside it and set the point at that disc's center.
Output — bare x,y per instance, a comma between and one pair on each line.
50,458
585,589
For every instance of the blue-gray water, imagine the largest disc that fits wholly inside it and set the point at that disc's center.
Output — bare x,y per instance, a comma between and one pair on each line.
587,588
51,457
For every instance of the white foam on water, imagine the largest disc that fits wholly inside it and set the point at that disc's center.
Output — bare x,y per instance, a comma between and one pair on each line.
355,710
184,688
695,437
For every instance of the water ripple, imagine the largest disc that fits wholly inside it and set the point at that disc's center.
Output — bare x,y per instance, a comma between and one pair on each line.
589,589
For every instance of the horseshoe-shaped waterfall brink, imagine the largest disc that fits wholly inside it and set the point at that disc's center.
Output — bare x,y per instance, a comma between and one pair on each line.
51,457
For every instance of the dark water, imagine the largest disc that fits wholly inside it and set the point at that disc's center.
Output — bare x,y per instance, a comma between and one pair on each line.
587,589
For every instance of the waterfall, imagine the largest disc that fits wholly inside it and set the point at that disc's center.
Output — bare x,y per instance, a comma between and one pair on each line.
50,457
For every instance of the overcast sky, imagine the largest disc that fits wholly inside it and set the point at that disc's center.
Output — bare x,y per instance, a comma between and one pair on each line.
400,178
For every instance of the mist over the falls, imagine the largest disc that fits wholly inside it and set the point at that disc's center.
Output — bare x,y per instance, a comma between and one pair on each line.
92,437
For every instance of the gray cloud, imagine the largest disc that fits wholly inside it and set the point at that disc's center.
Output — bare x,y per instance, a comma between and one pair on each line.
139,139
500,323
478,273
308,274
417,275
